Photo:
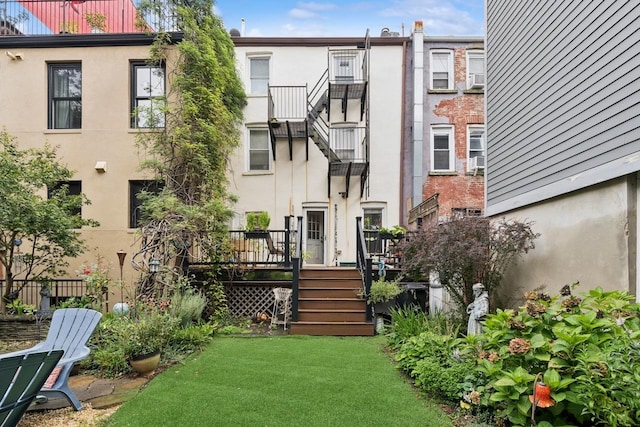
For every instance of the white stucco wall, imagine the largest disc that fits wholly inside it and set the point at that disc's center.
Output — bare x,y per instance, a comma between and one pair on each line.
584,238
292,184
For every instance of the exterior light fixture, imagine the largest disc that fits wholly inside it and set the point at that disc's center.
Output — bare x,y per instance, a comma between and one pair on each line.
541,396
154,265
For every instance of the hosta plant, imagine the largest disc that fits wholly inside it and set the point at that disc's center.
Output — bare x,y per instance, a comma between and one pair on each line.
586,348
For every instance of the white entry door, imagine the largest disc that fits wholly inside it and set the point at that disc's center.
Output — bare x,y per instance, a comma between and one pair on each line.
315,236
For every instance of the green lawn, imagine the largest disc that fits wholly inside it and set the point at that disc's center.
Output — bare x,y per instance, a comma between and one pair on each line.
282,381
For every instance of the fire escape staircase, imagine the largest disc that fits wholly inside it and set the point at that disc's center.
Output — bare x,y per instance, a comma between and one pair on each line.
296,113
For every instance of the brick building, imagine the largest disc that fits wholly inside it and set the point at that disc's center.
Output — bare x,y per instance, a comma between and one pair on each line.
444,157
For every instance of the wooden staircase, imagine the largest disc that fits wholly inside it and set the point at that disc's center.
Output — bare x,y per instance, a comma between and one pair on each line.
328,303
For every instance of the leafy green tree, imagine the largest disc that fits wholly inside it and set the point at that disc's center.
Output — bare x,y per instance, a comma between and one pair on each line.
466,251
190,152
43,228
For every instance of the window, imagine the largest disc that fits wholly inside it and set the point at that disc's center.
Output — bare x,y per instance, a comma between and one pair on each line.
441,69
135,203
343,143
443,156
475,144
475,69
344,67
459,213
147,95
65,96
259,159
372,222
73,188
259,75
372,218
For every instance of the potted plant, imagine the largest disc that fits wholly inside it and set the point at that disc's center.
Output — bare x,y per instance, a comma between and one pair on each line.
383,294
395,232
275,124
257,225
69,27
97,21
143,342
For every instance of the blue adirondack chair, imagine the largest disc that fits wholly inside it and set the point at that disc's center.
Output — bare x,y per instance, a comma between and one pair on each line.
21,378
70,331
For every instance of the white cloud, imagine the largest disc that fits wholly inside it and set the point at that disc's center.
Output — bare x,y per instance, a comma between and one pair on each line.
319,7
302,14
438,17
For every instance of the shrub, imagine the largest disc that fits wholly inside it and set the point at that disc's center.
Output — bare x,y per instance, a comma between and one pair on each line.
187,305
411,321
466,251
445,378
383,291
435,362
150,326
586,348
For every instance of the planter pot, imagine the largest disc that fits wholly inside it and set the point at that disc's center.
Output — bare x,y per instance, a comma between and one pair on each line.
256,234
383,307
145,363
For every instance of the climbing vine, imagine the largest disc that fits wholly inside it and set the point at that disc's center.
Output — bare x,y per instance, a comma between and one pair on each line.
190,152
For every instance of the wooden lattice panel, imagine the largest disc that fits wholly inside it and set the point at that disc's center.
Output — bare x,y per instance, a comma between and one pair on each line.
244,300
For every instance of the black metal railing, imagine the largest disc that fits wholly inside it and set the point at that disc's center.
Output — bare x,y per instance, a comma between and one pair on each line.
287,103
363,264
255,248
61,290
349,143
48,17
347,65
297,264
385,246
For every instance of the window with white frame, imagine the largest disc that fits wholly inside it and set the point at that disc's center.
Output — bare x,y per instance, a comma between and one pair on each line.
372,218
259,75
147,95
259,159
442,148
441,67
344,67
372,222
475,69
475,146
343,143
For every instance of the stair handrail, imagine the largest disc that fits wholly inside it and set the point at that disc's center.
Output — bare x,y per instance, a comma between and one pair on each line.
297,264
319,87
364,265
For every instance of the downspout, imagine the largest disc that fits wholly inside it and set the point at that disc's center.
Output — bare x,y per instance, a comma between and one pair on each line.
401,208
418,111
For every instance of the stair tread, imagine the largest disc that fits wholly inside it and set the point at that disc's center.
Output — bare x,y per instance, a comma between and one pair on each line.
330,310
330,299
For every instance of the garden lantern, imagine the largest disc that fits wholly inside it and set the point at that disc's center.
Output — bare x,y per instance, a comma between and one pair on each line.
541,395
154,265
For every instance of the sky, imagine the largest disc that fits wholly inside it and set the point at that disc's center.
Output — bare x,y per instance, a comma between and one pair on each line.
351,18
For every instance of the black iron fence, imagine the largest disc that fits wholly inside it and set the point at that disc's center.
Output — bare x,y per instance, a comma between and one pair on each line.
256,248
30,294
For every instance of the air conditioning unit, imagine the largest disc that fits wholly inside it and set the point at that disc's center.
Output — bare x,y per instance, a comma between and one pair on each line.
475,163
476,81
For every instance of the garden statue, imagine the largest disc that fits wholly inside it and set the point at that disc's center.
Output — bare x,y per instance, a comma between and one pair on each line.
478,309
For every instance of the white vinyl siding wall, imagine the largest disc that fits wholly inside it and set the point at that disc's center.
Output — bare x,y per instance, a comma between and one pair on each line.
563,99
